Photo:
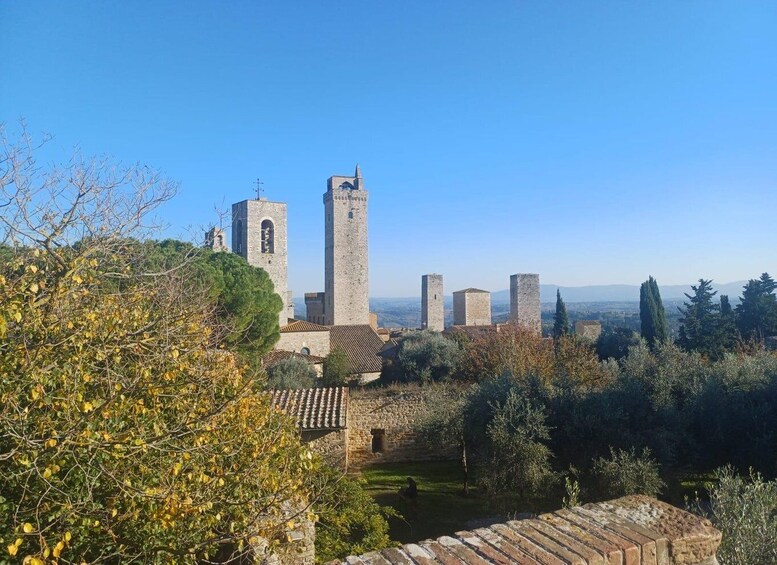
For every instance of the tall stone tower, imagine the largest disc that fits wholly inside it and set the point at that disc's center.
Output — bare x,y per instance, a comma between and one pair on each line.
432,307
525,301
259,236
346,279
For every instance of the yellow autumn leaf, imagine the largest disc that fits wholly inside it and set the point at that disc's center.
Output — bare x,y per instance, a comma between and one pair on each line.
12,549
88,407
68,537
27,528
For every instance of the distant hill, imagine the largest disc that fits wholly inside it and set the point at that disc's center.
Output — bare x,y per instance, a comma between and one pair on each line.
616,292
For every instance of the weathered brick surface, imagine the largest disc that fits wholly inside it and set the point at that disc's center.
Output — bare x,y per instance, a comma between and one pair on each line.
633,530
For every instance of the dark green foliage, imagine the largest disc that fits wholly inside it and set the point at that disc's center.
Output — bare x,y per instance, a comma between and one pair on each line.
291,373
336,369
561,319
700,322
246,301
350,521
757,311
626,472
652,314
247,306
615,343
427,356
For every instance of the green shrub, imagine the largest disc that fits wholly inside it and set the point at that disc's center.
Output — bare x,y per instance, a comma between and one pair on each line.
626,472
291,373
745,511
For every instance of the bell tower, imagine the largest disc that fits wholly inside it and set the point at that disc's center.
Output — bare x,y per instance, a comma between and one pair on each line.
259,236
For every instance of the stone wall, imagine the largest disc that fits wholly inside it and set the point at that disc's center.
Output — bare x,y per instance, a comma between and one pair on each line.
346,273
432,307
394,412
317,342
525,301
331,445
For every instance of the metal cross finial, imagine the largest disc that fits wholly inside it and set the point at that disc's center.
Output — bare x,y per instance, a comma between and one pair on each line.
259,189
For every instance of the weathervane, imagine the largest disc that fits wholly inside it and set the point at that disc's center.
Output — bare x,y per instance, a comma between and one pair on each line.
259,189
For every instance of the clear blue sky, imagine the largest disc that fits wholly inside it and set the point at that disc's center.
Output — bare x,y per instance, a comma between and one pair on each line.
591,142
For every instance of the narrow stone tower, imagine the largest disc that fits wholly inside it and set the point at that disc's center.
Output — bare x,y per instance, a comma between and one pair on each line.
432,307
259,236
525,301
346,279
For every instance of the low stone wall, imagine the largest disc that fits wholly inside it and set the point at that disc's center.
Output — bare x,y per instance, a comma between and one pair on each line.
381,428
633,530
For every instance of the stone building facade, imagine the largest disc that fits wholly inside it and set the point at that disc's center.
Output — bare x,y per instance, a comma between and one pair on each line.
259,235
346,276
525,301
305,338
432,305
471,307
355,428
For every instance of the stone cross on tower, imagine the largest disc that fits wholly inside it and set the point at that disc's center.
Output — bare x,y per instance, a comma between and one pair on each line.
259,189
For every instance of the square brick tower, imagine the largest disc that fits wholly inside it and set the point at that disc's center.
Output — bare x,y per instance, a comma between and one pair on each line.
259,236
432,307
525,301
346,274
471,307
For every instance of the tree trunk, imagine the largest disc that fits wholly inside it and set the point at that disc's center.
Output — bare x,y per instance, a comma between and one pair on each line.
464,466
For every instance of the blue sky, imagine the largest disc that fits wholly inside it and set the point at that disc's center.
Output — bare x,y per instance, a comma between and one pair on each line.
591,142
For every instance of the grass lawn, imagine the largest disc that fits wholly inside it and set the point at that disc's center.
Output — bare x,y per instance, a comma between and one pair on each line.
440,508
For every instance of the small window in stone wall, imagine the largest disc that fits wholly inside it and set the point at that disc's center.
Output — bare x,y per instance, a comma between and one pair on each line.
305,351
378,440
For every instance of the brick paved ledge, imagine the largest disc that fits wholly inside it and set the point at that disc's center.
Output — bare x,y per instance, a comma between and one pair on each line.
633,530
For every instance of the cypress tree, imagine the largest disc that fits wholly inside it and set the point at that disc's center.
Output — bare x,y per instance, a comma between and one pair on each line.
560,320
728,328
652,315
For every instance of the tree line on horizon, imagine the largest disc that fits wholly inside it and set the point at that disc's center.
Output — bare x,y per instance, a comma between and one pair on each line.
709,327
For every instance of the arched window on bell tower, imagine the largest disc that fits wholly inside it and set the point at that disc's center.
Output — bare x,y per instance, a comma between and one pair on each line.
268,237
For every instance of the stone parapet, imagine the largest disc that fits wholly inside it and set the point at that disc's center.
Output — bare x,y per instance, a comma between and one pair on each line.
633,530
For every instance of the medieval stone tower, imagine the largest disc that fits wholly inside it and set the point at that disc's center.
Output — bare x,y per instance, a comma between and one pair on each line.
259,235
346,282
525,301
432,307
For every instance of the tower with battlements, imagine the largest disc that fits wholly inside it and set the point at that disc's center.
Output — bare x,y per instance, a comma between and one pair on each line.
259,235
346,276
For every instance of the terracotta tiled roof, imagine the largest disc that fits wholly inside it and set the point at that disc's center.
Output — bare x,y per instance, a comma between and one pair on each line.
303,326
361,346
470,289
272,357
618,531
314,408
